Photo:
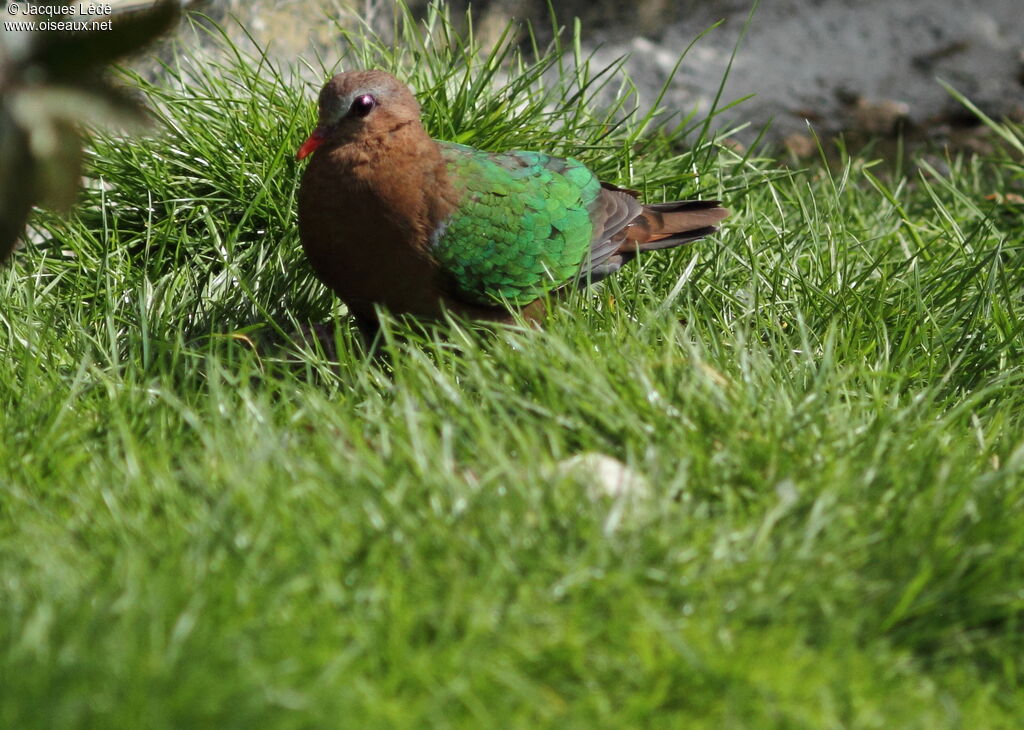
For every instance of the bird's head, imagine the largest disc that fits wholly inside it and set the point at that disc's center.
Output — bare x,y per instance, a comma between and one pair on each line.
357,104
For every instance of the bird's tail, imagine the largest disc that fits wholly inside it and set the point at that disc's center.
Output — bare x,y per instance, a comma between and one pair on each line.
649,227
663,225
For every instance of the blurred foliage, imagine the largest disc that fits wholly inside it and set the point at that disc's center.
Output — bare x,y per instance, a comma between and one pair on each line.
51,82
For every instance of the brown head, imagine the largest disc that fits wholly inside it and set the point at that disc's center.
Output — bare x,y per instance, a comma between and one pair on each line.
357,104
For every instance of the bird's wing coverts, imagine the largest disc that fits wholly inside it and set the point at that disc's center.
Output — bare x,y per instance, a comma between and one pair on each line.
524,224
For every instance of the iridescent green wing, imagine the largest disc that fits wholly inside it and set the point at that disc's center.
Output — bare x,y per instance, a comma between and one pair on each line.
522,227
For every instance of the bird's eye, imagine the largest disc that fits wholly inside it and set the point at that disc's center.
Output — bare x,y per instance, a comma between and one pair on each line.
362,105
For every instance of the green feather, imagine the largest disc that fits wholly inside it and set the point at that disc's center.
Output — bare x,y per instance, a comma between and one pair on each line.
522,226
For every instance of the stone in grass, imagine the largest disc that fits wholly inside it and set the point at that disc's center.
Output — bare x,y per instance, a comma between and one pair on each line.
607,478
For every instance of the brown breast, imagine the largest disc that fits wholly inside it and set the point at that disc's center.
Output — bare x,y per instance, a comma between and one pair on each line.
365,218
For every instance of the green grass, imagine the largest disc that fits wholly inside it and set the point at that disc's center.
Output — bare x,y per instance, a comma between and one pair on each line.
208,519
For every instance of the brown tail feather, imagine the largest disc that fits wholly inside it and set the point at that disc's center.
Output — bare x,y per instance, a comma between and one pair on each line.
650,227
663,225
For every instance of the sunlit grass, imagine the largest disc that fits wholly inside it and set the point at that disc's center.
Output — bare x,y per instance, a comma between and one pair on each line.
209,518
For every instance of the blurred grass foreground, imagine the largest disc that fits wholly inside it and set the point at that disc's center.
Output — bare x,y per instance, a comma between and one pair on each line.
812,424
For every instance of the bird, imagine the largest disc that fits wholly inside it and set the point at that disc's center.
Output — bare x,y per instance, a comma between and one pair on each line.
392,219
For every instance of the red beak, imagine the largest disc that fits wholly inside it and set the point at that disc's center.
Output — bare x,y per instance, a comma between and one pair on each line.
317,138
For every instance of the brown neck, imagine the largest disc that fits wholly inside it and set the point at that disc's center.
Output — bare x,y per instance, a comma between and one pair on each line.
367,211
397,171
